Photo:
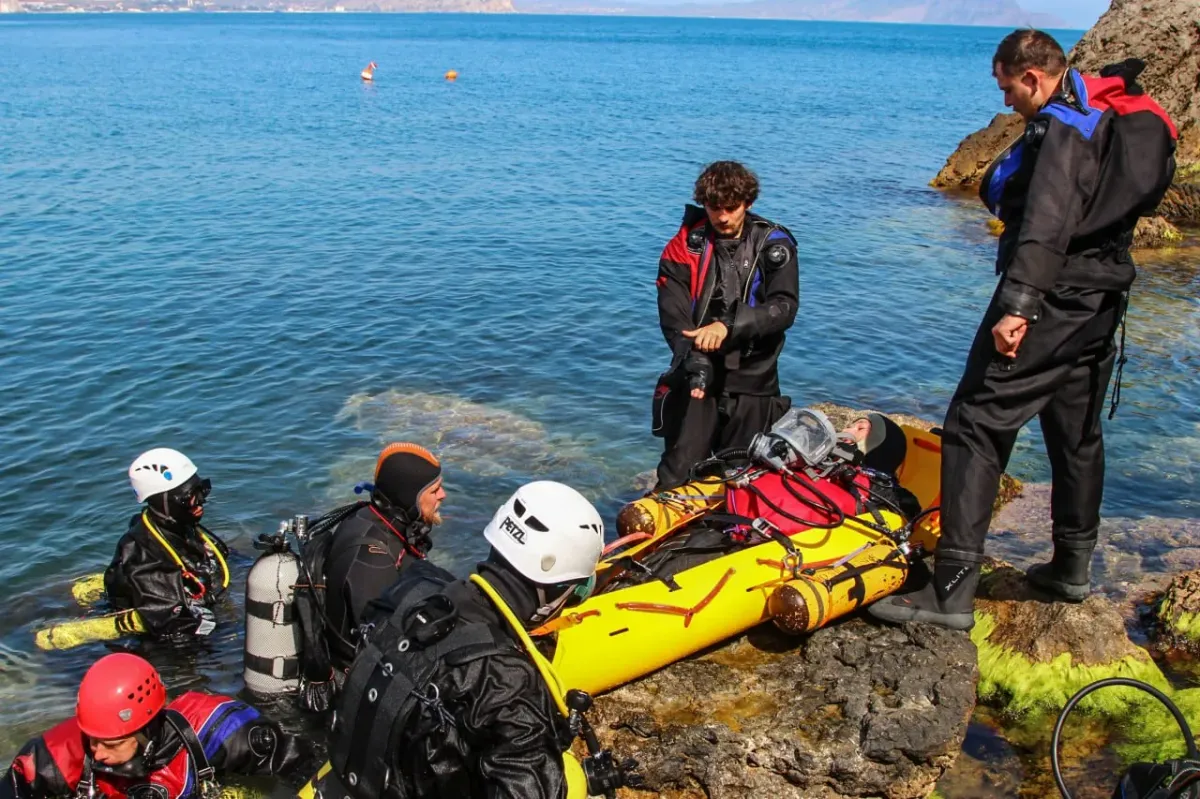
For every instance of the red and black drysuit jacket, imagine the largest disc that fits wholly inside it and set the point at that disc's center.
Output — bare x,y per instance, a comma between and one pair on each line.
1099,155
757,318
234,736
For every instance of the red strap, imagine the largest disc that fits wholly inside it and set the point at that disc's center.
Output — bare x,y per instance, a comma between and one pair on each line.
407,547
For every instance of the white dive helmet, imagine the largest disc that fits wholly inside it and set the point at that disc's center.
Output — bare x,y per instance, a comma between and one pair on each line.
548,532
159,470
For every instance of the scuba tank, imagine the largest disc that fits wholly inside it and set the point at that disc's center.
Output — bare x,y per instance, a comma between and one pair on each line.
272,663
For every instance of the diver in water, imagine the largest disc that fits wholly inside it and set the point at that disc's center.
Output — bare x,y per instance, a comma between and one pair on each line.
728,286
447,696
1096,155
374,542
168,566
126,740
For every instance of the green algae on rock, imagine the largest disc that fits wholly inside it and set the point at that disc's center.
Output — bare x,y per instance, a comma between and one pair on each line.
1178,613
1034,653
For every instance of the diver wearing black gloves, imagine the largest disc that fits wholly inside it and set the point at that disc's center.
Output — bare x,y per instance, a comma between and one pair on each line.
375,541
728,286
1096,155
168,566
448,698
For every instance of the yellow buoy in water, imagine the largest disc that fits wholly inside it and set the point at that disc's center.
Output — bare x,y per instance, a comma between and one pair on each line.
70,634
452,75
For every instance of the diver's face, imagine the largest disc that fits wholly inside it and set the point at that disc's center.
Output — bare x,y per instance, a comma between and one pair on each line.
115,752
727,221
430,503
1022,93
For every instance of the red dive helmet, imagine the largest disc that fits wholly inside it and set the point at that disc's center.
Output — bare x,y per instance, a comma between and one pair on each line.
119,695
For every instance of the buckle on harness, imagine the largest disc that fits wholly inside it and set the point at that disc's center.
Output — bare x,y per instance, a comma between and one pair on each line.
792,560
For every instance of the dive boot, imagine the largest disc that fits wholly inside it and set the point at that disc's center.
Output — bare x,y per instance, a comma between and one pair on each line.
947,600
1067,576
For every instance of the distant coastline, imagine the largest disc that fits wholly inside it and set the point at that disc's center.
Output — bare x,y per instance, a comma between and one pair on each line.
943,12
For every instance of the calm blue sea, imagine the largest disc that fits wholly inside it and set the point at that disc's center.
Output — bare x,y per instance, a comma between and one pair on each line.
215,237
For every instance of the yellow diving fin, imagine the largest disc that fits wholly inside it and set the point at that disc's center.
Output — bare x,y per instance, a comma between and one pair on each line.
88,590
76,632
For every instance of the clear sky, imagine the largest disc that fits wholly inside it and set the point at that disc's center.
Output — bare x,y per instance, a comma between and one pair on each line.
1077,13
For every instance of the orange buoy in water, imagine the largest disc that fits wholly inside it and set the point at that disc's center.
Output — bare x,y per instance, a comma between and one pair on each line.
452,75
368,74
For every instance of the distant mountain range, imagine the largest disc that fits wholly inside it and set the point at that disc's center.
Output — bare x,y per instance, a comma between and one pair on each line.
943,12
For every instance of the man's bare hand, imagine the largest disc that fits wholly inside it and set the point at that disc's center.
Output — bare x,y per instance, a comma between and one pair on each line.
1008,334
708,338
697,393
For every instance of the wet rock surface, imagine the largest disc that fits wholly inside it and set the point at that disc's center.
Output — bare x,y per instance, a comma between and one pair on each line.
1134,557
854,710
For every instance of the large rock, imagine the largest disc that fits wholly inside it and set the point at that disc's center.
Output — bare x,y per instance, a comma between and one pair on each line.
964,169
1166,35
1034,653
854,710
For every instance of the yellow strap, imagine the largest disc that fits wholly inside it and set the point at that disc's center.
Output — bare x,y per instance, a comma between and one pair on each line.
208,542
543,666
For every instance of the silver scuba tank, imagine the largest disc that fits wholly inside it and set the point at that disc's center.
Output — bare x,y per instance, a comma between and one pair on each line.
271,661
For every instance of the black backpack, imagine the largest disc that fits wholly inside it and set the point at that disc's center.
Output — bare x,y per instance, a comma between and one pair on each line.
316,666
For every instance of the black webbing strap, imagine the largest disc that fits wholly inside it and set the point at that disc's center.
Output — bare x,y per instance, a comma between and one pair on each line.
281,668
266,611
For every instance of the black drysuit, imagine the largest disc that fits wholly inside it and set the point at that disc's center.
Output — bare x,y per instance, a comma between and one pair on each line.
365,558
173,600
487,725
1069,194
752,285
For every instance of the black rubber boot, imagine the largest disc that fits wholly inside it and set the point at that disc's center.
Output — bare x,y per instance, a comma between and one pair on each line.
947,600
1068,574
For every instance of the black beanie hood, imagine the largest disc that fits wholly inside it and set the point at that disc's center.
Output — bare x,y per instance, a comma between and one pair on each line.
886,444
402,472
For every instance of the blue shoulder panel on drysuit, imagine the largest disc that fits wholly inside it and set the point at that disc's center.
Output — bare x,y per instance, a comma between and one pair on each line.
1008,166
1085,120
222,723
778,233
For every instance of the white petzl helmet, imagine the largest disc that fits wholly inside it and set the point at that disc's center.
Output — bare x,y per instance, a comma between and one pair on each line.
159,470
548,532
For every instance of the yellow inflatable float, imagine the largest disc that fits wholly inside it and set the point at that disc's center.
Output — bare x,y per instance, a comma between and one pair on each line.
803,580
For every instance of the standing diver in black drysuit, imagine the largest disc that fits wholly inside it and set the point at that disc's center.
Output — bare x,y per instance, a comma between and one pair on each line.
728,286
1096,155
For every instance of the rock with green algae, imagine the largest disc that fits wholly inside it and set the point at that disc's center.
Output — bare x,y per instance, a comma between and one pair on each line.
1035,653
1177,614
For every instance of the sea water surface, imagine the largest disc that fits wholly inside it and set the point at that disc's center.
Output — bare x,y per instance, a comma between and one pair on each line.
215,237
